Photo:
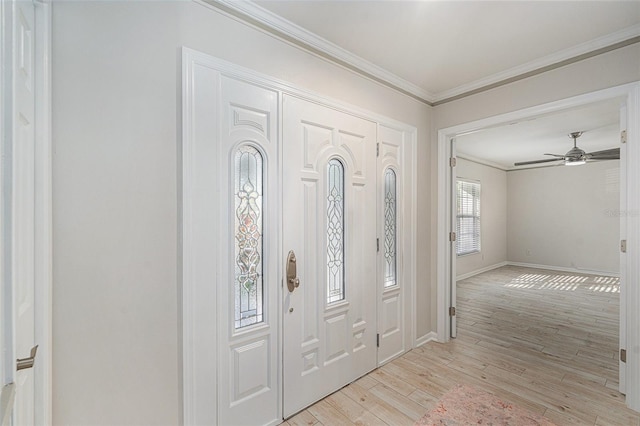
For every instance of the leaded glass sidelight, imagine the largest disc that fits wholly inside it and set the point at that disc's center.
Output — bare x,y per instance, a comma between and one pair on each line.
390,221
335,231
248,211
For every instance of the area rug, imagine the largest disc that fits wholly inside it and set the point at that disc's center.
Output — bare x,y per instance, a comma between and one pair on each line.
466,405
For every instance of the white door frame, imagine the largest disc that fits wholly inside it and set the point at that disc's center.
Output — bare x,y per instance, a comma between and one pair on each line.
630,92
43,205
402,161
197,317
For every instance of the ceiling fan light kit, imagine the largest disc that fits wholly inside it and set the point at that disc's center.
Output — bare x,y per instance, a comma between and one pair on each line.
571,162
577,156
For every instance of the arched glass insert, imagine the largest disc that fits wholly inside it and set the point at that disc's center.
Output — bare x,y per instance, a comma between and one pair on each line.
248,212
390,220
335,231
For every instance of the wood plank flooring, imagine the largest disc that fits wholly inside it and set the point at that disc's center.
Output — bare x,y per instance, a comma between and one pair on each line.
544,340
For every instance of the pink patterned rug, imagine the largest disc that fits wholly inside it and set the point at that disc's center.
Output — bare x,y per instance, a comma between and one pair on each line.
466,405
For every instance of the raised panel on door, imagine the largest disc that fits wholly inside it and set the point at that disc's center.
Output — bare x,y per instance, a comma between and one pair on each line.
330,319
248,373
392,288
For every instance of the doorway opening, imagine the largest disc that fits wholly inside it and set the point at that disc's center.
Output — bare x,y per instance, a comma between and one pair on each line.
447,260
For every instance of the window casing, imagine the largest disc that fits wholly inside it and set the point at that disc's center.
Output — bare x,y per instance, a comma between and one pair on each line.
467,217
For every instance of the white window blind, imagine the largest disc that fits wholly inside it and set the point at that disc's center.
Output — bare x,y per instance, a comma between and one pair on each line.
468,217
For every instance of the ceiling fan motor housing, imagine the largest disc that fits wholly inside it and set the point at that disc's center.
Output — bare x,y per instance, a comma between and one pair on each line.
575,154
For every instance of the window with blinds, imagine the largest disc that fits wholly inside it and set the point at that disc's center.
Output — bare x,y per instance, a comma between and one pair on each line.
468,217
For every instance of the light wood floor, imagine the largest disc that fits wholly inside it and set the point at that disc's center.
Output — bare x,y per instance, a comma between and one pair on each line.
546,341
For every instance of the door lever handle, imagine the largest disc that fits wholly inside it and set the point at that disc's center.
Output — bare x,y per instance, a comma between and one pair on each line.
24,363
293,281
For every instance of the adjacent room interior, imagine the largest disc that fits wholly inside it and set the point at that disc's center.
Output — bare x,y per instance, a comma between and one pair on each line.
544,214
225,211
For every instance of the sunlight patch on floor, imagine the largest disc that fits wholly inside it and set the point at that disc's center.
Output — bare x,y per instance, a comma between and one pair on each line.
565,283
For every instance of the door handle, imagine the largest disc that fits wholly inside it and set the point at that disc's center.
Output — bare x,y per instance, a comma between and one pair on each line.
293,281
24,363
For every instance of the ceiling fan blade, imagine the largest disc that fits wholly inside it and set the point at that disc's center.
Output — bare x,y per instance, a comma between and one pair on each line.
556,155
603,158
524,163
608,154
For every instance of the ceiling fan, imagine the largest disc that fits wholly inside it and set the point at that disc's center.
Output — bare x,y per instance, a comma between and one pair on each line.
577,156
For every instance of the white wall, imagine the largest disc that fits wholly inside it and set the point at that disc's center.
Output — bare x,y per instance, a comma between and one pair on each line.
493,216
566,216
600,72
116,97
116,132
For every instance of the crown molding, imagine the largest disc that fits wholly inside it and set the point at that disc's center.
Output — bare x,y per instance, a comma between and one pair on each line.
268,21
624,37
481,161
328,50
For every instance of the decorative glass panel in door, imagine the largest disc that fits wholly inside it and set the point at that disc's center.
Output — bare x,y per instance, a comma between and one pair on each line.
390,277
248,226
335,231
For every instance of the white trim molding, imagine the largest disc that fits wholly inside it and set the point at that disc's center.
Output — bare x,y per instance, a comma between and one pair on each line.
633,249
197,259
265,20
43,216
481,270
537,266
564,269
43,202
631,322
585,50
431,336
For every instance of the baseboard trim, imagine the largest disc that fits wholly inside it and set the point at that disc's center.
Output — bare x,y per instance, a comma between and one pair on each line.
481,270
564,269
432,335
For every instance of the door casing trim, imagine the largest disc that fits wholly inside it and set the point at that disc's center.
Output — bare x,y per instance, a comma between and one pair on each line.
631,93
43,196
191,58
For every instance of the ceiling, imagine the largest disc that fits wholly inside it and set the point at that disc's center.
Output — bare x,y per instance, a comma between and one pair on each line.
530,139
437,51
446,48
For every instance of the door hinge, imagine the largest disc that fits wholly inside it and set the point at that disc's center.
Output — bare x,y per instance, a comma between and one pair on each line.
452,161
378,340
623,246
623,355
452,311
378,245
623,136
378,149
452,236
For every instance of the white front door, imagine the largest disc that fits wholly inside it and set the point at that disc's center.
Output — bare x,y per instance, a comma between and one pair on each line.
266,173
18,212
329,223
